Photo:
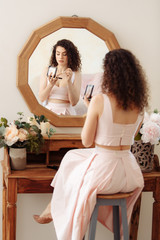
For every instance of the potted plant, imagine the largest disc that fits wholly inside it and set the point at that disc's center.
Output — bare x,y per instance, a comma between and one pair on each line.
21,137
147,137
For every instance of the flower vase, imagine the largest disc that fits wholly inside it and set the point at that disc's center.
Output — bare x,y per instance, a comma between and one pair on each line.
144,154
18,158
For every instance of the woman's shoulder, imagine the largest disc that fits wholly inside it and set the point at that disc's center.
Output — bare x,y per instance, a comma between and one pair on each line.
77,73
99,97
97,103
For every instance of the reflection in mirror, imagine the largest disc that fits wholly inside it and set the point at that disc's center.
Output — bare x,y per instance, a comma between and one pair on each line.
92,50
28,74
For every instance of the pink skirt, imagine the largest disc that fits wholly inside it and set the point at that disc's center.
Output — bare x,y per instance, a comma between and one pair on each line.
83,174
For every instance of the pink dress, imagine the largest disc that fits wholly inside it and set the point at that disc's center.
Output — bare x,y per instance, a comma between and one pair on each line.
84,173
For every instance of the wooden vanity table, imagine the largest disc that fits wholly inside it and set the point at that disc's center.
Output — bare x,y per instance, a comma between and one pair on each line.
36,178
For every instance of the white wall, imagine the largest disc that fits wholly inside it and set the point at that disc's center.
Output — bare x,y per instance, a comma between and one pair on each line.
136,26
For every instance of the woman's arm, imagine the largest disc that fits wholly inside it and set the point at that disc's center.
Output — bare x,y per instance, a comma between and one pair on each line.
45,88
74,88
138,129
95,110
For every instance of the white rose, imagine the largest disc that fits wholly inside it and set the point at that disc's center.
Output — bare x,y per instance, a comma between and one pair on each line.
11,135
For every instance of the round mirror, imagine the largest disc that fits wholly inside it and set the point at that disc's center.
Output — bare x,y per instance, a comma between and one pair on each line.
92,41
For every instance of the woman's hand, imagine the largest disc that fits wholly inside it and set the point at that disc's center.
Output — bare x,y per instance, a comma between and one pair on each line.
52,79
68,73
86,101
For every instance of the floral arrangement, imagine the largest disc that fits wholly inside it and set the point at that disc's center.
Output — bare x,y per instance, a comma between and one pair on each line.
20,134
150,130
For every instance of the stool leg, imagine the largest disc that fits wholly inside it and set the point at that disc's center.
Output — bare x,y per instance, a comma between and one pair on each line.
93,222
124,220
116,225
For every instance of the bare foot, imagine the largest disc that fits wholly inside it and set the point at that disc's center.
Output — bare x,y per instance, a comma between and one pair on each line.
42,220
45,217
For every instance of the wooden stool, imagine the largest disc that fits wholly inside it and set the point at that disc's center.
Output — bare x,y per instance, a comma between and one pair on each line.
115,200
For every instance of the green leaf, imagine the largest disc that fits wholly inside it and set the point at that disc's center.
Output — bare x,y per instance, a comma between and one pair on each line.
20,113
31,118
35,128
43,119
40,119
17,123
35,142
37,119
2,130
2,144
138,137
4,122
50,132
27,125
155,111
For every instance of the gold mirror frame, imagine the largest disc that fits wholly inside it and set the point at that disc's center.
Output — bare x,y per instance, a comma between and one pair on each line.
23,64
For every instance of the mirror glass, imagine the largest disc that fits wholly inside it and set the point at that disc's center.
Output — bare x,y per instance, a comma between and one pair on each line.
92,40
92,50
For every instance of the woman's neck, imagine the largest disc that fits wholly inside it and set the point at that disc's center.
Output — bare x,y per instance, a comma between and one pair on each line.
61,69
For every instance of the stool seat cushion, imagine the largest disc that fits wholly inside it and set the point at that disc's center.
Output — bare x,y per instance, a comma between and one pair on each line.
115,196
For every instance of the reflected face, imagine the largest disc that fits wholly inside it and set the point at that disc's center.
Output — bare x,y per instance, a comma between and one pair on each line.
61,56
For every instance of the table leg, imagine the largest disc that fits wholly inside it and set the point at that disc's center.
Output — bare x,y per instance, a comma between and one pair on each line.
11,209
47,158
4,211
135,219
156,212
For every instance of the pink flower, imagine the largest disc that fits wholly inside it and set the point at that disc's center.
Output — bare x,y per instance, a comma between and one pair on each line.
155,118
150,132
22,135
11,135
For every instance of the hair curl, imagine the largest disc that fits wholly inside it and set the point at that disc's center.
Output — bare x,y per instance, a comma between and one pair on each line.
125,79
74,59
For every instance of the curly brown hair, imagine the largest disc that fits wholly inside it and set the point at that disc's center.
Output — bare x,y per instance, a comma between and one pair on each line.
125,79
74,59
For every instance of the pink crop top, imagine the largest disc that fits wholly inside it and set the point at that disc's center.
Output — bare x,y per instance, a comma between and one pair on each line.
115,134
60,92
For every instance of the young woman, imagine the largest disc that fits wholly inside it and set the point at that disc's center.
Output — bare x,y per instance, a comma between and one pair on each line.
61,82
113,119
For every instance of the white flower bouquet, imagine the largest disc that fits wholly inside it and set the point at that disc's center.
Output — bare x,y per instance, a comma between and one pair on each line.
150,130
21,134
